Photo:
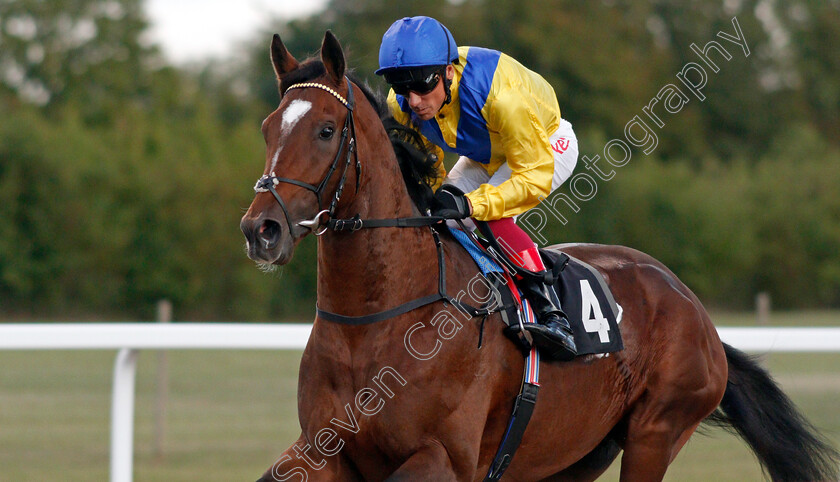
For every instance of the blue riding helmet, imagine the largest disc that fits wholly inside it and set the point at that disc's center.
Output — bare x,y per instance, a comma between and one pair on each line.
416,42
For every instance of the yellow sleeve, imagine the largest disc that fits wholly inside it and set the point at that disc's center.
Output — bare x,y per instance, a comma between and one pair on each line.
404,119
527,152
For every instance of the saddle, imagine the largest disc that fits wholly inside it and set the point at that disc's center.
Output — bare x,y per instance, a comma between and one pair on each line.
585,296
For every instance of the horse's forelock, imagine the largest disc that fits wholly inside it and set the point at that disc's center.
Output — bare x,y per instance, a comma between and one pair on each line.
307,72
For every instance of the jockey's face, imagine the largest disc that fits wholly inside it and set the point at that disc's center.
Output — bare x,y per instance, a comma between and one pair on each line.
426,106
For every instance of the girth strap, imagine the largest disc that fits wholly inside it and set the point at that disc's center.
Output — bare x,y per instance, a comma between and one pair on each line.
523,408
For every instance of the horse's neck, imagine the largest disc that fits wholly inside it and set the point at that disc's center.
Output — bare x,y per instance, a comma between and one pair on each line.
374,269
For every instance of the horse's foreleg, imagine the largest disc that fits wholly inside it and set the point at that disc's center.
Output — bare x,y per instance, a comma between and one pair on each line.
431,463
302,463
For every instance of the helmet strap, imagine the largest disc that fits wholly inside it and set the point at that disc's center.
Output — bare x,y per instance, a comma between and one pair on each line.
447,83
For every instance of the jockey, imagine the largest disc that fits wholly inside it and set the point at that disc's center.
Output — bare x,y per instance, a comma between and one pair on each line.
504,122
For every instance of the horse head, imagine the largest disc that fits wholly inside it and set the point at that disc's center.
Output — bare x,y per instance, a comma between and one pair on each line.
310,142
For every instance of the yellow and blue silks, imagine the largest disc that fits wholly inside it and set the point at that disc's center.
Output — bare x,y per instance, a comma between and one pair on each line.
500,112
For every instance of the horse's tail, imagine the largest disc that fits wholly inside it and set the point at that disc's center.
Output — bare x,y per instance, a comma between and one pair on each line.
788,447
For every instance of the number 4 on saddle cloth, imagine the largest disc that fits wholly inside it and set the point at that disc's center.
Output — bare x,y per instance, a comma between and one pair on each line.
584,295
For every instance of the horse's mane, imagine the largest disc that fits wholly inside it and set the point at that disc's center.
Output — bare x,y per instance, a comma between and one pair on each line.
416,163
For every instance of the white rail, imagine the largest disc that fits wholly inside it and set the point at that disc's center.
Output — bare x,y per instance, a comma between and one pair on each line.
154,336
130,337
779,339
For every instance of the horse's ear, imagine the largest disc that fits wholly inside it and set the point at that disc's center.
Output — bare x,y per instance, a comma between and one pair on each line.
281,58
333,57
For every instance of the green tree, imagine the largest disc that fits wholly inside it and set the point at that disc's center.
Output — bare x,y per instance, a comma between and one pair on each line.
82,52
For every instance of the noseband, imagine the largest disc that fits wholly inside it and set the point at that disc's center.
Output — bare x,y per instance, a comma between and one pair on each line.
267,182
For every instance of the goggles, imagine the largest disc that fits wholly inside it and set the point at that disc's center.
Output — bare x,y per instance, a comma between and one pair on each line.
420,81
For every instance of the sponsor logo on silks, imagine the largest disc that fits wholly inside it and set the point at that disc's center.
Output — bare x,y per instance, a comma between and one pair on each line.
561,145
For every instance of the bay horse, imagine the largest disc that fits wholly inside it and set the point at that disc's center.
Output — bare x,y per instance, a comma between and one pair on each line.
370,408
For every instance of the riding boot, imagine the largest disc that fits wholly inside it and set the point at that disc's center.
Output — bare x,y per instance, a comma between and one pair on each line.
552,333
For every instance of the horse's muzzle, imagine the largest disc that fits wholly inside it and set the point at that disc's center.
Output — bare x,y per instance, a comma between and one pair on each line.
263,236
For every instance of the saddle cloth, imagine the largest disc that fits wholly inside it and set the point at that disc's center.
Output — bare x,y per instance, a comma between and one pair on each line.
584,294
588,303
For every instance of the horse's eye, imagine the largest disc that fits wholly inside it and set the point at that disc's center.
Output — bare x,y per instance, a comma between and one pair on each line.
326,133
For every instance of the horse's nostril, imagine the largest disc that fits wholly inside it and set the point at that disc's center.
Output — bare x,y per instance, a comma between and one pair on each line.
269,232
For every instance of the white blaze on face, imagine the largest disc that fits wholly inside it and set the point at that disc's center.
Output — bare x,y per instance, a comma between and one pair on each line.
296,110
275,157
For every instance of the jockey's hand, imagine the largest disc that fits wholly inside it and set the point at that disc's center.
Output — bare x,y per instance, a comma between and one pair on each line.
451,203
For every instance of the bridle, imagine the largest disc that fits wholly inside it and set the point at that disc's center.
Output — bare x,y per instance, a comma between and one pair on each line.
267,182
